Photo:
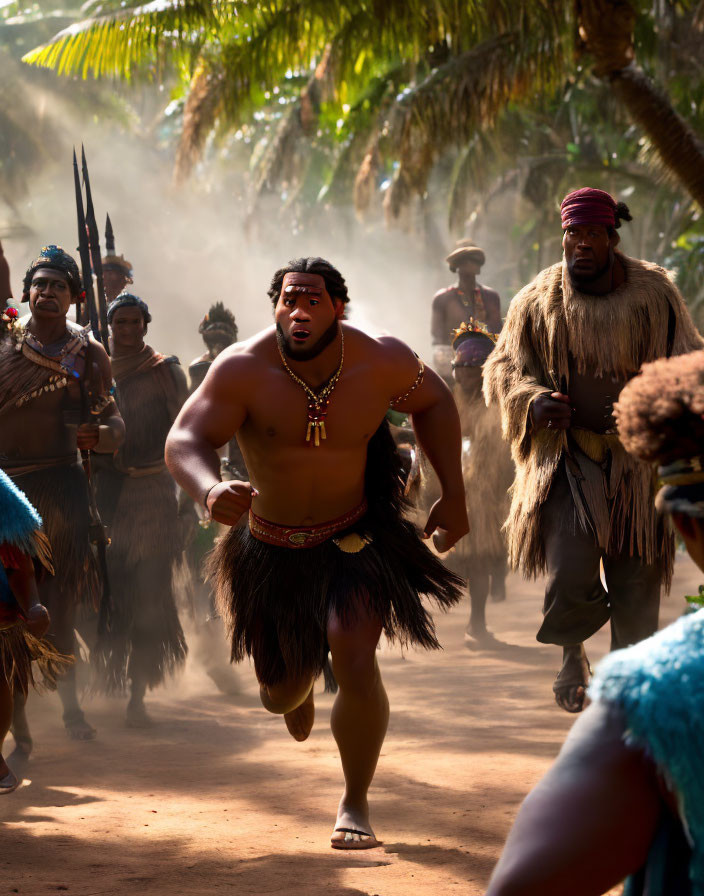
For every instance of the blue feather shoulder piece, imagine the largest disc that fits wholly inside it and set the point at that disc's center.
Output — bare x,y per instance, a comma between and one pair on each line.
19,521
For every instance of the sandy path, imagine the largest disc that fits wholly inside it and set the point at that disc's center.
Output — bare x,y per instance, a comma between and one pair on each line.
219,799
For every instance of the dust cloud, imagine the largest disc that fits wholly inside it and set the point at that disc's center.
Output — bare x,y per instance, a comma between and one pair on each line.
190,246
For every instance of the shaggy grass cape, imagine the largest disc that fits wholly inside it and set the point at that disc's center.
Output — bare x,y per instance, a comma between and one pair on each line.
615,334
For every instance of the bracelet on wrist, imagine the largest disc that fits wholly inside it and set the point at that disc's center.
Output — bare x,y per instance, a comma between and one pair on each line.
207,494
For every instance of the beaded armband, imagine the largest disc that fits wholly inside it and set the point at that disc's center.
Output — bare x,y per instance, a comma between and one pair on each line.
417,382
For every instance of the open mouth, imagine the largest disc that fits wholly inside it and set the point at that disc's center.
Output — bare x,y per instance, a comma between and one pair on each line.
300,335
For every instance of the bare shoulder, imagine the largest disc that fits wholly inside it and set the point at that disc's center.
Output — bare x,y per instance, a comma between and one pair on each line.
395,364
395,351
442,295
243,360
489,291
395,360
381,349
201,359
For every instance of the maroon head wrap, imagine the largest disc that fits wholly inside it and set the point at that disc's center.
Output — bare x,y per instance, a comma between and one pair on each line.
588,206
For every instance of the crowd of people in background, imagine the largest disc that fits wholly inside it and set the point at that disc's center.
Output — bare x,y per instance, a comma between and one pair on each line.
131,494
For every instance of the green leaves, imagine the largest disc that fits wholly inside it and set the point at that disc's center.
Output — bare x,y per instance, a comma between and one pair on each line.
349,96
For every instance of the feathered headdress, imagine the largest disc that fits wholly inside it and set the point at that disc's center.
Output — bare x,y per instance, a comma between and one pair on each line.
219,319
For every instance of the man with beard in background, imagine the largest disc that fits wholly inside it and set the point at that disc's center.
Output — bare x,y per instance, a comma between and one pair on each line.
582,508
218,330
455,304
488,470
137,499
327,560
55,382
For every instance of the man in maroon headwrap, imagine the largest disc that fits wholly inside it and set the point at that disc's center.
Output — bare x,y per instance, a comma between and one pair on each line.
582,508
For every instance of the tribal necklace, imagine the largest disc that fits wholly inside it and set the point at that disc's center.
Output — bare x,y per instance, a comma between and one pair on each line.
317,401
462,296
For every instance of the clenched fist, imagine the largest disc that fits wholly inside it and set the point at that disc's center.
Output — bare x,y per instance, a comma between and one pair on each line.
228,501
87,436
551,411
448,517
37,620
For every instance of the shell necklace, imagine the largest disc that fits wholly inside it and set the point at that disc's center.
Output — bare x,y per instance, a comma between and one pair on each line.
317,401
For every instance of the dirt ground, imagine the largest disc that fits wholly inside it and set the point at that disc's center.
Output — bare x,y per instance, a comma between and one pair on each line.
217,798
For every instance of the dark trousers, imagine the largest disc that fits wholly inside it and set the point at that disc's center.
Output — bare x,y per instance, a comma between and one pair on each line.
576,605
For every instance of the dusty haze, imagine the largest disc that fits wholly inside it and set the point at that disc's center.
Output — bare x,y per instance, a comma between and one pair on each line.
189,248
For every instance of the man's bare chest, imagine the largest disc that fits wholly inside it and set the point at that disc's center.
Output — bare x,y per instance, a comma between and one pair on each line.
460,307
280,413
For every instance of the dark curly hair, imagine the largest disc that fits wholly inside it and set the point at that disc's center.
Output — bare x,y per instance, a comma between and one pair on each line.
659,413
621,213
334,281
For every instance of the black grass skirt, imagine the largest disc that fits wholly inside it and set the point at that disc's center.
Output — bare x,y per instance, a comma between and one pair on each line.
277,601
19,649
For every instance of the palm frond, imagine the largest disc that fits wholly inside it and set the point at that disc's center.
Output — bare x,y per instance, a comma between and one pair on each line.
203,103
282,161
466,94
117,42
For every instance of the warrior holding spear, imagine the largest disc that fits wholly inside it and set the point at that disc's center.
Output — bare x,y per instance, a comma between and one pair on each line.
55,399
51,373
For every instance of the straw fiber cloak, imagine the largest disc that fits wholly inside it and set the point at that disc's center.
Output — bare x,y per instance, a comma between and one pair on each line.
57,487
488,472
135,491
138,502
613,335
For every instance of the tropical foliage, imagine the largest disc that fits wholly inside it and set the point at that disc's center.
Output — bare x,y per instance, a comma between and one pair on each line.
38,109
454,103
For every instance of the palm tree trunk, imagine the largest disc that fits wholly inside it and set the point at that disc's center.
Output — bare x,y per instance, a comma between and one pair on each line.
605,30
680,150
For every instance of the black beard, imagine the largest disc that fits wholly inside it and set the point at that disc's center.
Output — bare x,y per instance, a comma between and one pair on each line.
585,279
307,354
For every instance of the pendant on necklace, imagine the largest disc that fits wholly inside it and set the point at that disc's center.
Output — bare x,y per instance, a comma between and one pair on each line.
316,423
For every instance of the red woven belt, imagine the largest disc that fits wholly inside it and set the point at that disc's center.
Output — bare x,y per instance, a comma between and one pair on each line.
302,536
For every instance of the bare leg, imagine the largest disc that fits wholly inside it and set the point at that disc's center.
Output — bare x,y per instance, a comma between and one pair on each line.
137,715
570,686
478,595
20,729
155,636
210,649
8,782
62,610
294,700
360,716
498,580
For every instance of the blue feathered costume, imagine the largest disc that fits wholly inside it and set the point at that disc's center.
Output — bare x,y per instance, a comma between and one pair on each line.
20,533
658,685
